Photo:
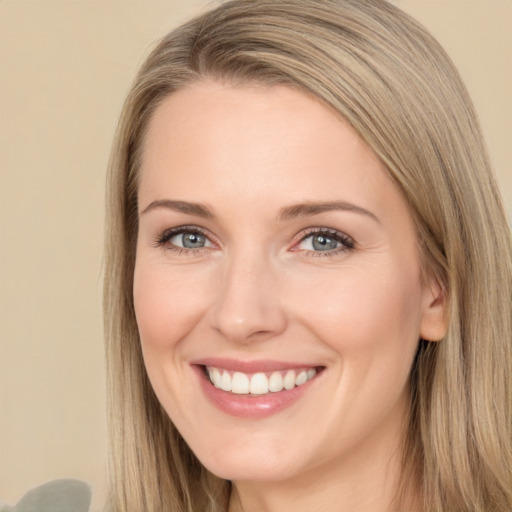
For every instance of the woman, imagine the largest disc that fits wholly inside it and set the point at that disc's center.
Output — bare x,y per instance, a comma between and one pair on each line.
308,275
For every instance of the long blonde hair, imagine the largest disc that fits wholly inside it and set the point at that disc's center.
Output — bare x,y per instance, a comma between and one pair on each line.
383,73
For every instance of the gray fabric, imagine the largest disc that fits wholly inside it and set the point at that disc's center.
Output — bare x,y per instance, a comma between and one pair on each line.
55,496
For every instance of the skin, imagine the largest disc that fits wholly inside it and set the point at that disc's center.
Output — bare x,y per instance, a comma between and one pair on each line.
258,289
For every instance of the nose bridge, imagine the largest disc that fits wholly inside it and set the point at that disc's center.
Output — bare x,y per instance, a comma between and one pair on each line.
248,305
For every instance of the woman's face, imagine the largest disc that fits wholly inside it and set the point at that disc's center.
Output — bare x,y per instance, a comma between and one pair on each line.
274,252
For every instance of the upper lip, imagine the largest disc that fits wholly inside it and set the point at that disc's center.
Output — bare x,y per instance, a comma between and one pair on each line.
262,365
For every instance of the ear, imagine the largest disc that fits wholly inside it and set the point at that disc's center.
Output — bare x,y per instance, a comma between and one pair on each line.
434,323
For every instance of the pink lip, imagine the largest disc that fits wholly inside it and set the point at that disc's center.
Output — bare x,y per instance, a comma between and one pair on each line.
263,365
245,406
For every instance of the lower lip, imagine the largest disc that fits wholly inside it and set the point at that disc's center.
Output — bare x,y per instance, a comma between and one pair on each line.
254,407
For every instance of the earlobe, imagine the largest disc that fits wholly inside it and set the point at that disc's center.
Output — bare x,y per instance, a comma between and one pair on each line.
434,321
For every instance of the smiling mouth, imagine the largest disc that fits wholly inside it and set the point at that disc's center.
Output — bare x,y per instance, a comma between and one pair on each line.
261,383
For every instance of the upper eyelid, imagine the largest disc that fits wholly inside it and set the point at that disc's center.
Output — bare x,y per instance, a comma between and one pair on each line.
320,230
185,229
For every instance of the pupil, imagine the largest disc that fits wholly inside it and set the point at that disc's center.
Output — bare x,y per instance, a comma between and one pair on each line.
193,240
324,243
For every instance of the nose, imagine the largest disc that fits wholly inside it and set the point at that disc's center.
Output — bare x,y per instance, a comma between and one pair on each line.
247,306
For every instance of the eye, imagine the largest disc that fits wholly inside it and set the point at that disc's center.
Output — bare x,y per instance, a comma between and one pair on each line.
324,241
184,238
189,240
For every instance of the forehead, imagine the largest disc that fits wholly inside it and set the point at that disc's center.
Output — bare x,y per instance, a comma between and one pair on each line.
211,142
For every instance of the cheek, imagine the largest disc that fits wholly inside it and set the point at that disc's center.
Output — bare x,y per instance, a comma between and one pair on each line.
167,306
370,322
372,310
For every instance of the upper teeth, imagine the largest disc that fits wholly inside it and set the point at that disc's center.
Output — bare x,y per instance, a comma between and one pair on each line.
258,383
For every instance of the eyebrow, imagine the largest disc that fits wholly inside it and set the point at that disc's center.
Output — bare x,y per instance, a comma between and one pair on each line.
198,209
314,208
305,209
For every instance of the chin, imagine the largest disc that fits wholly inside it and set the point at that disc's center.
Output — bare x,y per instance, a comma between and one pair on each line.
256,461
253,471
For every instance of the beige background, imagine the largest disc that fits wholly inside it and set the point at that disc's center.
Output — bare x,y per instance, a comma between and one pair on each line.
65,67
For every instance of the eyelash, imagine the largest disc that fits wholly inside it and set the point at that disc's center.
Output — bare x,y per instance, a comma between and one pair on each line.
347,243
164,238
